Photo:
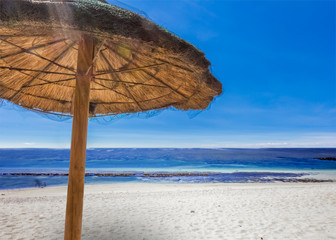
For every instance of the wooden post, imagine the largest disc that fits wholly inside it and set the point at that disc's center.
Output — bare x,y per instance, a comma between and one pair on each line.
74,208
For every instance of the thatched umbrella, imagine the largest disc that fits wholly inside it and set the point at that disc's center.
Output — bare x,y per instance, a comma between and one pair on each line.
86,58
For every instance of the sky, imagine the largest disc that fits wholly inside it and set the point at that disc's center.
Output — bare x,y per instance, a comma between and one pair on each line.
276,61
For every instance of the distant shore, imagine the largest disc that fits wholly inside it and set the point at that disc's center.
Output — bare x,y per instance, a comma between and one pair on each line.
327,158
176,211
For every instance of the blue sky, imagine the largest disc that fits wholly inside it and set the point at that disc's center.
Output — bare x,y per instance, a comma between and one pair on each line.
275,59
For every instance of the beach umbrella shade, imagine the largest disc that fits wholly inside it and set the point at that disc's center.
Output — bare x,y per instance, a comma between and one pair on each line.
87,58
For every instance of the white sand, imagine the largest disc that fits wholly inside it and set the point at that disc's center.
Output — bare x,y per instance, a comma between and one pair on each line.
157,211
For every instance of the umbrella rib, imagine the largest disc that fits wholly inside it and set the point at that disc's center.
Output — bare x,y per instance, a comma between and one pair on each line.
162,96
45,68
114,102
34,70
130,69
167,105
158,108
63,80
33,95
155,58
165,61
46,81
112,90
23,50
160,81
96,56
39,56
98,115
135,83
27,74
59,100
104,103
55,82
165,95
122,83
22,35
154,77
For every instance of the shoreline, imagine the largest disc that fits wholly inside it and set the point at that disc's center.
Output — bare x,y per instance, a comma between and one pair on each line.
117,185
47,178
24,180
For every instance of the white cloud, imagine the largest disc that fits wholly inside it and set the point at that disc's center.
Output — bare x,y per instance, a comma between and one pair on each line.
29,143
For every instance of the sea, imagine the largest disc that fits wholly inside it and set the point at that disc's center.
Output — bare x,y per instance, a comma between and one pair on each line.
26,168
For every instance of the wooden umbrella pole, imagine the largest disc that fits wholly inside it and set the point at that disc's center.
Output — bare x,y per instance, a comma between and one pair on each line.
74,208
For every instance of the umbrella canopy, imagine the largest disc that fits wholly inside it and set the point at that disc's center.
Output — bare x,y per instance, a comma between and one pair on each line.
137,65
86,58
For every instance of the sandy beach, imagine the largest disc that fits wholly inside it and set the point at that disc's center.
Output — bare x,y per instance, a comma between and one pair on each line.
176,211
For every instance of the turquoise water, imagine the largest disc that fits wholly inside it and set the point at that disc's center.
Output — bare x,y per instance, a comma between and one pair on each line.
222,165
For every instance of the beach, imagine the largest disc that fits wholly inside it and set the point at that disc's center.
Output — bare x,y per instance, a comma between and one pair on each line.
176,211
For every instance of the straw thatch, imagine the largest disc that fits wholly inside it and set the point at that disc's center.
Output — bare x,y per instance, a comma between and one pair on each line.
138,66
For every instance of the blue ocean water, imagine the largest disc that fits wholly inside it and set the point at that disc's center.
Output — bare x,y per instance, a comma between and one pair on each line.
220,165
